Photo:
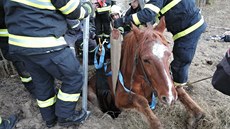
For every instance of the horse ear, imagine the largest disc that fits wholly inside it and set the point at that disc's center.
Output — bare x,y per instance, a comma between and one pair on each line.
161,25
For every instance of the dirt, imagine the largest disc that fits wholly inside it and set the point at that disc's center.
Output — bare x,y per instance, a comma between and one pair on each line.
15,99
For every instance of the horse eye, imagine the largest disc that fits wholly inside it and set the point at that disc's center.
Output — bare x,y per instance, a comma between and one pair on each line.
146,61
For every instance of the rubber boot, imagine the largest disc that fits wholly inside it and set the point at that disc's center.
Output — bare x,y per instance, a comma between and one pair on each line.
77,118
8,123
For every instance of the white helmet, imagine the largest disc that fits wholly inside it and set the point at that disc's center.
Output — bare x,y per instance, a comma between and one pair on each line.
115,9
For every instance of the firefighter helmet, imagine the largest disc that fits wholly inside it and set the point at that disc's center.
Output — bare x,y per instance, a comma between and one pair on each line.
115,10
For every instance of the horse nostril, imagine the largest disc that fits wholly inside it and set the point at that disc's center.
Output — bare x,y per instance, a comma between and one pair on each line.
164,99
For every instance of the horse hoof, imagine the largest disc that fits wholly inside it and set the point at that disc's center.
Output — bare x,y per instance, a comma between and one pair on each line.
193,120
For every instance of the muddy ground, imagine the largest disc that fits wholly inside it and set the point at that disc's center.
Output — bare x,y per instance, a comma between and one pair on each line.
15,99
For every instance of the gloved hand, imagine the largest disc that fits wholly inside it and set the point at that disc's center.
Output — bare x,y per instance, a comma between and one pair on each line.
120,22
88,6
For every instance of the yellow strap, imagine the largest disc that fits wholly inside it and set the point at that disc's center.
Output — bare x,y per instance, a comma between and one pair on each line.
41,4
104,9
68,97
188,30
47,103
26,79
152,7
169,6
36,42
4,33
135,19
70,7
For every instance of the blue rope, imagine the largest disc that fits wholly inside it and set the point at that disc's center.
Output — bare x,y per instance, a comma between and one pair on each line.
122,82
101,60
109,46
105,68
153,102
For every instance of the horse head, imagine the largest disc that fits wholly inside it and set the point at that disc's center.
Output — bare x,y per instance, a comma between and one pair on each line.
147,51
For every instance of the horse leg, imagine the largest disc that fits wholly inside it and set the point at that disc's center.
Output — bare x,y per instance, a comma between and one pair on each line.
92,97
130,100
195,111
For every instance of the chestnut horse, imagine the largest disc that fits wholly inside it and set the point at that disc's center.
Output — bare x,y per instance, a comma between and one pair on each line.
145,69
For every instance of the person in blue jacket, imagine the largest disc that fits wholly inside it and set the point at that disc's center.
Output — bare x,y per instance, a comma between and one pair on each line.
221,76
25,77
184,20
36,30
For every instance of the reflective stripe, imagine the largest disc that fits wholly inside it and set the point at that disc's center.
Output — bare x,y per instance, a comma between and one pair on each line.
169,6
4,33
41,4
70,7
101,34
188,30
179,84
104,9
76,25
68,97
47,103
0,120
35,42
106,35
152,7
82,14
135,19
26,79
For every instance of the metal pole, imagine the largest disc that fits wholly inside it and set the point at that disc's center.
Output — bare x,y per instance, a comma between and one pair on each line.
85,60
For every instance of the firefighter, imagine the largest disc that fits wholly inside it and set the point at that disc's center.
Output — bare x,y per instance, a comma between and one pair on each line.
20,67
184,20
74,37
115,12
221,76
8,123
102,20
36,30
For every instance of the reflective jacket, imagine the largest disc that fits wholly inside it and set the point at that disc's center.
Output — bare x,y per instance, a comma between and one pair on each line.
38,26
181,16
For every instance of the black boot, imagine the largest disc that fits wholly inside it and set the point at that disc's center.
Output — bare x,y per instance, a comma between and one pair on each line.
76,118
51,123
9,123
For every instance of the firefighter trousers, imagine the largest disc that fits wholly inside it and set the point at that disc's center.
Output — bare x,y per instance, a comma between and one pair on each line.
44,68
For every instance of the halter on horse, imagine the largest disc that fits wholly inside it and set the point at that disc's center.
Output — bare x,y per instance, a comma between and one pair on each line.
145,68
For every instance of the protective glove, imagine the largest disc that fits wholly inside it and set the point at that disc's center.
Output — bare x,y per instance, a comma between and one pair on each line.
120,22
88,6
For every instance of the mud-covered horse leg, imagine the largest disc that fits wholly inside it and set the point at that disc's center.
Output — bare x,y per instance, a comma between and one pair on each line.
130,100
195,111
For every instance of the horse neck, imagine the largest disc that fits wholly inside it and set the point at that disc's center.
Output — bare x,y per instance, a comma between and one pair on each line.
128,66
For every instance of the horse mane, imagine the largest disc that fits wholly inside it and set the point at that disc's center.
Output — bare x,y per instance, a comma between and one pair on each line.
134,41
